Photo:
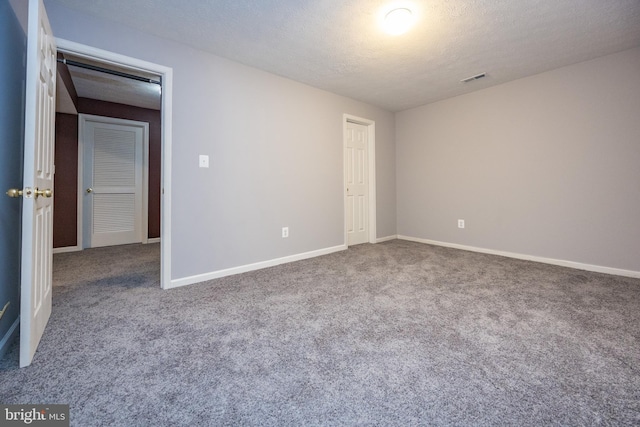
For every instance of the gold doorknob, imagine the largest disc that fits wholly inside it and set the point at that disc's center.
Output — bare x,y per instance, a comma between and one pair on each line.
89,190
14,192
46,193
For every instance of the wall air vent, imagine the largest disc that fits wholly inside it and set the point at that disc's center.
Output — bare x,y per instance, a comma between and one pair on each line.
472,78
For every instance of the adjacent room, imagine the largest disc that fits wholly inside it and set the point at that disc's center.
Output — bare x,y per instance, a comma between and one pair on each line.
323,213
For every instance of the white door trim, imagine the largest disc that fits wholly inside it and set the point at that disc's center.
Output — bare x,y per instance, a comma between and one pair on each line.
371,138
166,74
82,122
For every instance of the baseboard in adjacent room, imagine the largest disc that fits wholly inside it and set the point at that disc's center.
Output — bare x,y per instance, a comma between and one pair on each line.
175,283
386,239
67,249
153,240
562,263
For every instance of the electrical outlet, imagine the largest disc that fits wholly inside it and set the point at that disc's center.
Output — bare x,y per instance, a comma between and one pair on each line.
204,161
285,232
461,223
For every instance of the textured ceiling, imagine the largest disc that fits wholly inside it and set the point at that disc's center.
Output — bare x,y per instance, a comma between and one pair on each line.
338,45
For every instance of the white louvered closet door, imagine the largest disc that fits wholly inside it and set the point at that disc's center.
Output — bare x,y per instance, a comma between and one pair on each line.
112,184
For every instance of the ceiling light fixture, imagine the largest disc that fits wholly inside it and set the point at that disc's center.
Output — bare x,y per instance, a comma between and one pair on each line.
398,21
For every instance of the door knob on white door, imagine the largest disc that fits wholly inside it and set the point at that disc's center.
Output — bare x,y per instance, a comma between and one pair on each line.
14,192
46,193
89,190
28,193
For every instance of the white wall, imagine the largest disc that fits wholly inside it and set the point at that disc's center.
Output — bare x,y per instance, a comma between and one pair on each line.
275,149
547,165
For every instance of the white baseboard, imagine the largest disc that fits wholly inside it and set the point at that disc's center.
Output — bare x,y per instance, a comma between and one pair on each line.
153,240
67,249
8,338
562,263
386,239
175,283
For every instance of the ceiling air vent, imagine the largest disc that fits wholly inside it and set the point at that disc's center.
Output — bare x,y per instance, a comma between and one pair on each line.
472,78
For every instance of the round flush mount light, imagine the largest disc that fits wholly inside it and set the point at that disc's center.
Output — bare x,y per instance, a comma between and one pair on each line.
398,21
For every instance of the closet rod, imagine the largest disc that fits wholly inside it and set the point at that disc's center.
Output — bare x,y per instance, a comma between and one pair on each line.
108,71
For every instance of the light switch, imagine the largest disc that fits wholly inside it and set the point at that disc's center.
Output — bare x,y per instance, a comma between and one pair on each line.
204,161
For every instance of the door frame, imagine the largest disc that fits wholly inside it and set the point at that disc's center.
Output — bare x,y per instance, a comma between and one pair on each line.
166,75
82,121
371,166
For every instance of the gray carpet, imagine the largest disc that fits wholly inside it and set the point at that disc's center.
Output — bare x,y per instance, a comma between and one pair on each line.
397,333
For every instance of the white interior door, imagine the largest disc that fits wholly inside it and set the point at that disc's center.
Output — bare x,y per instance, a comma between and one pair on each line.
356,173
37,208
113,180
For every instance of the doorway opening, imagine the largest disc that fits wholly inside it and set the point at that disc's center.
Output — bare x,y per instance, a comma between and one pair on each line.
161,75
359,162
